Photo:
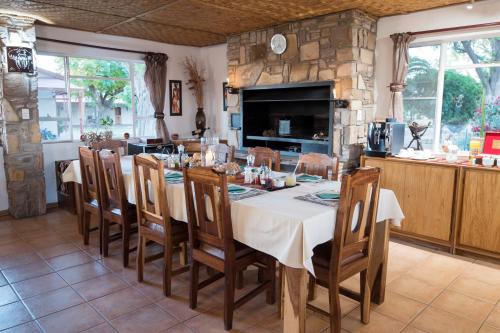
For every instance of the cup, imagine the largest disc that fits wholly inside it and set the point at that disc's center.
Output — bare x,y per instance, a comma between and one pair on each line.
291,180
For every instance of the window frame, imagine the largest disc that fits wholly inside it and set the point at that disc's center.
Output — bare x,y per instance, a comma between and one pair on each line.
67,77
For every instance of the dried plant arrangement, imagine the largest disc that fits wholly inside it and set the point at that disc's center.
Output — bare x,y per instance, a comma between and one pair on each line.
196,79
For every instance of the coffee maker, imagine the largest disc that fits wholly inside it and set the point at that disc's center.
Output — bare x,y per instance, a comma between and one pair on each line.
385,138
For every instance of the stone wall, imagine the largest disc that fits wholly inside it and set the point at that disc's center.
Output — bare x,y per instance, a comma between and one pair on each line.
21,139
337,47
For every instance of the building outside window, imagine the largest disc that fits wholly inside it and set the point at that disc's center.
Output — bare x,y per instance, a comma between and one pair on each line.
456,87
78,95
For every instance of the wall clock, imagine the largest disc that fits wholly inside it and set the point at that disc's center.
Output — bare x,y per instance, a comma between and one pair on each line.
278,43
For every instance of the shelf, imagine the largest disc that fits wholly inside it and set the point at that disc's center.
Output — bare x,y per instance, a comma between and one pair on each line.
282,139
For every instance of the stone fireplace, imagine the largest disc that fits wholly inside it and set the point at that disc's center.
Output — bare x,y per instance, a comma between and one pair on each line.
20,137
337,47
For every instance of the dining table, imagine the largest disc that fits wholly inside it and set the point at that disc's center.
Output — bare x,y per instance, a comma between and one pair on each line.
280,223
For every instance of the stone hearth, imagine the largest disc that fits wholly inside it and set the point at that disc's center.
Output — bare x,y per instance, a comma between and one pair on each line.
338,47
21,139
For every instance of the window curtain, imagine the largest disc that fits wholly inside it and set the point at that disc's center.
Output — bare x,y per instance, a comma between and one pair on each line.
155,78
399,70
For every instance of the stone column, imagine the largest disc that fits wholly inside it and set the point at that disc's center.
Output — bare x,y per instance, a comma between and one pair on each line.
21,139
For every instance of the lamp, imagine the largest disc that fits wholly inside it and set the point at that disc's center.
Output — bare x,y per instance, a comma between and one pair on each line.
232,90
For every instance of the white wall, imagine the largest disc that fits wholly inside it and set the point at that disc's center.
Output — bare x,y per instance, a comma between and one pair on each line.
486,11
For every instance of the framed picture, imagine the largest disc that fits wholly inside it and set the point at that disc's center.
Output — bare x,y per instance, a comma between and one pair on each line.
19,59
224,96
175,88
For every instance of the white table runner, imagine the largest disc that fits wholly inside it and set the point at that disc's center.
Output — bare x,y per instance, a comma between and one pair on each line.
275,223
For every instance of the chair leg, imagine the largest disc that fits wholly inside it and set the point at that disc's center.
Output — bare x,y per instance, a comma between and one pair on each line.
271,276
335,312
105,237
194,271
311,295
229,287
365,293
140,258
167,270
280,290
125,244
86,227
239,280
100,224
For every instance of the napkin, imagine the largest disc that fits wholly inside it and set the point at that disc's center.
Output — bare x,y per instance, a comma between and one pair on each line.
308,178
236,189
173,175
328,196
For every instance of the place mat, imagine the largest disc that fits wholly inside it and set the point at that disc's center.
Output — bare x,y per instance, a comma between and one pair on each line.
174,177
252,192
317,198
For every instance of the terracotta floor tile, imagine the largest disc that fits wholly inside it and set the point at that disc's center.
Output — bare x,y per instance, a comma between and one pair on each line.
415,289
39,285
3,280
410,329
120,302
102,328
13,314
321,301
476,289
434,320
69,260
99,286
15,248
29,327
485,272
147,319
7,295
19,259
399,307
57,250
463,305
488,329
178,305
378,323
28,271
212,322
83,272
434,277
52,301
75,319
494,317
178,329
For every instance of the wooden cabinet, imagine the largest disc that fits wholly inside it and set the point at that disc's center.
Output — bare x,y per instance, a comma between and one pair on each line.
480,216
425,193
452,205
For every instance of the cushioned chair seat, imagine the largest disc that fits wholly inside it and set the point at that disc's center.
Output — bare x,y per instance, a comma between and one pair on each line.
131,210
178,227
323,252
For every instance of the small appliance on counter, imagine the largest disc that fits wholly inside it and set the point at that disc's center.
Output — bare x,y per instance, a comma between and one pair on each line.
385,138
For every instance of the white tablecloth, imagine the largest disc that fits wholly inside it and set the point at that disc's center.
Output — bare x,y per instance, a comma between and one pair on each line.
275,223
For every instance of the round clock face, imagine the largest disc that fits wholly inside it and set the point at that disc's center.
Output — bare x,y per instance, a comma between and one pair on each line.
278,43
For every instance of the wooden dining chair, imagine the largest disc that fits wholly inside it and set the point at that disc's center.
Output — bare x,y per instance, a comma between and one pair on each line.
90,198
272,158
153,218
212,243
319,165
119,146
114,204
350,251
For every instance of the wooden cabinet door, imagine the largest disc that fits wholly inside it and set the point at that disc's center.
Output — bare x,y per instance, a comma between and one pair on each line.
392,176
428,200
480,224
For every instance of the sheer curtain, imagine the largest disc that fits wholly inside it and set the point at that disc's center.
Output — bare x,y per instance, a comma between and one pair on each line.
399,70
155,78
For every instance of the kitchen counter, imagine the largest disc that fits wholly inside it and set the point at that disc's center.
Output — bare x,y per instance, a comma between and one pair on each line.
452,205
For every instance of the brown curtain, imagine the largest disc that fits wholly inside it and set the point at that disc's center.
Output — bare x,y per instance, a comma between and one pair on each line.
399,70
155,78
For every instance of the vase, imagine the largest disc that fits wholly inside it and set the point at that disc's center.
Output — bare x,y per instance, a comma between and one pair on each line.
200,119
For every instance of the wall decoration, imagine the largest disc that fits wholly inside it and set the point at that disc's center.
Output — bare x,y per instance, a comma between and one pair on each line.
224,96
175,87
19,59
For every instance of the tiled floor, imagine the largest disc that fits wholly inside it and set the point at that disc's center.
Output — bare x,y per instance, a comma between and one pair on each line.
50,282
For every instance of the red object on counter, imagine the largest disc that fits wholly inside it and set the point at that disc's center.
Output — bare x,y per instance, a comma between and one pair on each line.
491,143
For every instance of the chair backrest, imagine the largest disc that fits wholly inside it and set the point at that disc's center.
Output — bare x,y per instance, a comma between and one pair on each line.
356,218
224,153
118,146
266,155
111,181
319,165
150,194
88,169
209,211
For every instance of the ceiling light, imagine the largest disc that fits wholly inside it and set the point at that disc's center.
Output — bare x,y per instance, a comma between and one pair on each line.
470,5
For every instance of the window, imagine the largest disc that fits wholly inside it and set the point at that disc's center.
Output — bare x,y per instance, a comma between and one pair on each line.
78,95
456,87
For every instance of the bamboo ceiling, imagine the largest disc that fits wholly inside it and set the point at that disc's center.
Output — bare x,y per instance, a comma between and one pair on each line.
196,22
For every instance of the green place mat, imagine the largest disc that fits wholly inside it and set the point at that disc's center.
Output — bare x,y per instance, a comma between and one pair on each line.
233,189
308,178
328,196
